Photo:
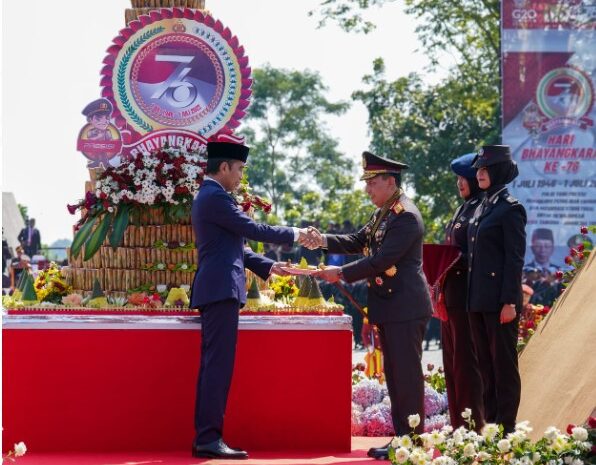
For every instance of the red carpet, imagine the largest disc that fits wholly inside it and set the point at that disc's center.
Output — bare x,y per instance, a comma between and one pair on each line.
358,455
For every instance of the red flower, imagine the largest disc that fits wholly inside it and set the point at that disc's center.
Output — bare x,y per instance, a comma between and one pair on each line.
246,206
530,325
584,230
267,208
592,422
580,248
570,427
545,309
559,274
568,260
181,190
72,209
90,200
573,252
580,255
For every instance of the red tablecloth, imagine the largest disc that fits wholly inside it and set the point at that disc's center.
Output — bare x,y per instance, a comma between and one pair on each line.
106,388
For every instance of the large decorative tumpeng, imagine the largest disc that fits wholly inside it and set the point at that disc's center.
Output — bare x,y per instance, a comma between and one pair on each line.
173,79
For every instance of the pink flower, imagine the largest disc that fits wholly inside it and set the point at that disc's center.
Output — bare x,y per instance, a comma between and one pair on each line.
72,209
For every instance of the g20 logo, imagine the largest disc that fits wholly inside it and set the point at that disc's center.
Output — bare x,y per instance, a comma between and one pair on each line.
524,15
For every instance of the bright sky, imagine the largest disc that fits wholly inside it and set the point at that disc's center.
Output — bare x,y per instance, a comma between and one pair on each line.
52,54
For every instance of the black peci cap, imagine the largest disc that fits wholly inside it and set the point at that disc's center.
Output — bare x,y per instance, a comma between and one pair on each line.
227,150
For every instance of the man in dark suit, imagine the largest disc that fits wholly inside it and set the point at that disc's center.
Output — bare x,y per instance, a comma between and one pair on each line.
30,238
219,286
398,298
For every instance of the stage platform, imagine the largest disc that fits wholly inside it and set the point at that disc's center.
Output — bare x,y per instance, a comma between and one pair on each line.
103,384
357,455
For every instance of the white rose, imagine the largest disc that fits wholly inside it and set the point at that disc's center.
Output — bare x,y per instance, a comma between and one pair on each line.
577,462
447,429
567,460
482,456
524,426
437,438
489,431
466,414
469,450
418,457
551,433
517,438
579,434
413,420
161,288
402,455
405,441
535,457
20,449
504,445
458,438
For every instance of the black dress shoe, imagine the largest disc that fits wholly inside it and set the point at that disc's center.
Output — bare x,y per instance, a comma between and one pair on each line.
379,453
218,450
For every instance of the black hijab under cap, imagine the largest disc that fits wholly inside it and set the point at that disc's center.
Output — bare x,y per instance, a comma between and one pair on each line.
502,173
474,187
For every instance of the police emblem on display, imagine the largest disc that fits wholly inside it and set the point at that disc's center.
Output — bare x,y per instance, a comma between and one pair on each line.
177,68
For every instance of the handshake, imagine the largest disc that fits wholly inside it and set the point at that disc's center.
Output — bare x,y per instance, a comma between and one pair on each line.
311,238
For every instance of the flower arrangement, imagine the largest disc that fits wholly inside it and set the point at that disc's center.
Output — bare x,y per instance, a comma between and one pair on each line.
284,287
578,255
167,179
528,322
444,446
371,406
50,285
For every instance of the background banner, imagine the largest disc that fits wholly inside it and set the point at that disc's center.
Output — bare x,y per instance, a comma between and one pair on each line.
548,67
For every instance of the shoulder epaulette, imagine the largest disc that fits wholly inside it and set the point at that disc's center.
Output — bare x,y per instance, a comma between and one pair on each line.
397,208
512,200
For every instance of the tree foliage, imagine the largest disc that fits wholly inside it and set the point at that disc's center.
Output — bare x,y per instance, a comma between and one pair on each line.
293,160
428,125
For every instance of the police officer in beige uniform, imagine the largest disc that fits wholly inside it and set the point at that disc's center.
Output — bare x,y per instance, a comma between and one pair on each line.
398,298
496,250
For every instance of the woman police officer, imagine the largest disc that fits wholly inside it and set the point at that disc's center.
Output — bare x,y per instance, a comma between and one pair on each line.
496,249
462,375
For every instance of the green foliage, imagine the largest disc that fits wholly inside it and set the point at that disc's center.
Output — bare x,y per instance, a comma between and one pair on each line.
294,162
347,13
98,236
428,125
23,209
